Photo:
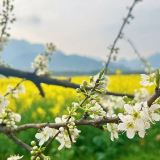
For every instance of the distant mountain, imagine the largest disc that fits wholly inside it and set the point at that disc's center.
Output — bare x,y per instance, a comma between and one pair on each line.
20,54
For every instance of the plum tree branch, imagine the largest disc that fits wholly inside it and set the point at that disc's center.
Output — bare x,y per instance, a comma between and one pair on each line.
19,142
15,139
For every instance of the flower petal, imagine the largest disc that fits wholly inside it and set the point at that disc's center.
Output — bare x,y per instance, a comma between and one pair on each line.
130,133
128,108
155,116
58,120
39,135
122,126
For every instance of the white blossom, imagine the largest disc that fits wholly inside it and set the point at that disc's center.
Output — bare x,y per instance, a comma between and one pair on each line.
141,95
103,83
147,80
110,103
3,102
75,105
131,126
17,117
63,136
3,114
22,88
45,134
149,112
113,128
134,111
15,92
15,157
40,64
97,111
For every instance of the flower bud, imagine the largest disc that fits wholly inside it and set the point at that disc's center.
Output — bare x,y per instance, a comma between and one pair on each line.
15,127
103,91
33,143
37,158
65,116
61,129
91,79
12,119
78,96
8,110
75,105
43,149
32,157
82,87
84,82
35,148
78,90
8,122
12,123
33,152
9,114
5,121
8,125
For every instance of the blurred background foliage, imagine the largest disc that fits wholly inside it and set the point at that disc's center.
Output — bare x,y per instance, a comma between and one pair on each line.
92,144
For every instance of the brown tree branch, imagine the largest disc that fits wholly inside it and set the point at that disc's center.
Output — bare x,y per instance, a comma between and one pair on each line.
15,139
58,125
153,97
37,80
19,142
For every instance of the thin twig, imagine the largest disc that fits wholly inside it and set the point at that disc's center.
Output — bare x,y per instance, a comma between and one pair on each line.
137,53
38,154
119,35
14,88
69,134
6,22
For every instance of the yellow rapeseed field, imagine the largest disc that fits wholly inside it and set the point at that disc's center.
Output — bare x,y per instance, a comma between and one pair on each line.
57,98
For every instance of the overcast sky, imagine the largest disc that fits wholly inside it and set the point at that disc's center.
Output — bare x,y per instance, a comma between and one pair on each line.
88,27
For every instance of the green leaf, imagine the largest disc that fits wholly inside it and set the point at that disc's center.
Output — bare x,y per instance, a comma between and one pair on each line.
157,78
101,74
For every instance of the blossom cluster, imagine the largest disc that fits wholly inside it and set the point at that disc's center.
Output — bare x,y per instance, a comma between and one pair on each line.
137,118
40,64
62,133
147,80
15,92
7,117
141,95
41,61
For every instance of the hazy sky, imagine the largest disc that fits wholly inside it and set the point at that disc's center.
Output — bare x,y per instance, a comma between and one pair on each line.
88,27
